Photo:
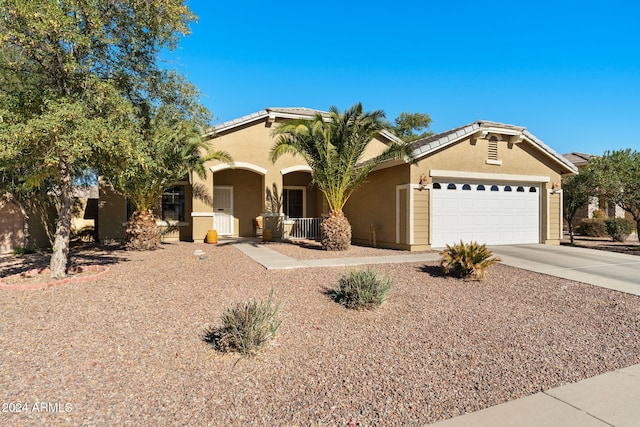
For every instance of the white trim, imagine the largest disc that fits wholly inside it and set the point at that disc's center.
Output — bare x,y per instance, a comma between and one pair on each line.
488,176
238,165
202,214
231,211
297,168
304,196
493,162
430,187
501,130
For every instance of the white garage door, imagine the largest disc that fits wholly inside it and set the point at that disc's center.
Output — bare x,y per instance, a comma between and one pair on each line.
488,212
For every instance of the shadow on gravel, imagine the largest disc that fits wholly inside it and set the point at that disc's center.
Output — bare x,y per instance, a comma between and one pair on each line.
79,255
211,336
432,270
329,293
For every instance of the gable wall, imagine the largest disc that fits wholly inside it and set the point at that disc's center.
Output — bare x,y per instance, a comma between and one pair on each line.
517,159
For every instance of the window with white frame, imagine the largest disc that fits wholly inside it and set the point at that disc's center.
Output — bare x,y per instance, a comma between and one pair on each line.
173,203
293,199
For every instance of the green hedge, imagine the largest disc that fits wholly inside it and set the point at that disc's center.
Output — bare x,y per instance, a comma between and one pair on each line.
592,227
619,228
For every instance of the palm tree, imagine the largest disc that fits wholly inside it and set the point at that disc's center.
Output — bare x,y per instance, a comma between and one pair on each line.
171,153
333,147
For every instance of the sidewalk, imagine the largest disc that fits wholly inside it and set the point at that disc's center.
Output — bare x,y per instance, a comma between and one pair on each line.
611,399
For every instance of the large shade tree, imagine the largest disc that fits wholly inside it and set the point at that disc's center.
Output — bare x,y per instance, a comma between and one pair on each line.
617,175
75,77
333,147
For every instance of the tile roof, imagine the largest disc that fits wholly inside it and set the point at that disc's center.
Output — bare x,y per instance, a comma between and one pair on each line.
281,112
421,147
578,159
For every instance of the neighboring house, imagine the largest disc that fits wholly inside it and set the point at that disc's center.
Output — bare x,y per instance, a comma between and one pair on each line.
489,182
42,219
11,227
596,203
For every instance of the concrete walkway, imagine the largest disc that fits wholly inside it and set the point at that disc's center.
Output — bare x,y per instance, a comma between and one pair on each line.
274,260
611,270
611,399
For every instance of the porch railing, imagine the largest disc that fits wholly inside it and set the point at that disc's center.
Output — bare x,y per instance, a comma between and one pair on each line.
302,228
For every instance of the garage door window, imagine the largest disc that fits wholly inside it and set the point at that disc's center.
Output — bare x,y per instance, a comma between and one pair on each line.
451,187
520,190
507,188
436,186
494,188
466,187
480,187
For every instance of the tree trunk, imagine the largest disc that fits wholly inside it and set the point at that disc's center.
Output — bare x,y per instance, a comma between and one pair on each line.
25,225
60,256
143,234
335,232
571,232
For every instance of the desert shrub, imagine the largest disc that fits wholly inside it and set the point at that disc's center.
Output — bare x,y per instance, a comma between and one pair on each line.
592,227
247,326
362,290
598,214
619,228
467,259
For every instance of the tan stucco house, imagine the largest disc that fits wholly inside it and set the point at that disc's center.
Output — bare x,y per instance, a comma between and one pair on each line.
485,181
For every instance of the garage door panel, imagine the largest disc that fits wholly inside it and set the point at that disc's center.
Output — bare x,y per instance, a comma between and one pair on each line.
491,217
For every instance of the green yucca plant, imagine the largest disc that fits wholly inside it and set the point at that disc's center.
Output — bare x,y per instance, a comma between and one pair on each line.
362,290
247,326
467,259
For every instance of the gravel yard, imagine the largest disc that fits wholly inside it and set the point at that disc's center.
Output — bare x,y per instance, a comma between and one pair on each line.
127,349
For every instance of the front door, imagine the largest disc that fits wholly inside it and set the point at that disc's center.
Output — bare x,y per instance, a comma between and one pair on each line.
223,209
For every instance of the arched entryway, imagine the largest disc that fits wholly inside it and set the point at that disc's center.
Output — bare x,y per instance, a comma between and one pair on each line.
302,204
237,198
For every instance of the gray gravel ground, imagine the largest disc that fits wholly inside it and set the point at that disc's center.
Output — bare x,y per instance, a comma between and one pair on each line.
128,349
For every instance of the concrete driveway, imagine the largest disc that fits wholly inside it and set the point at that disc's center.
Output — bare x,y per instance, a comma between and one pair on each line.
601,268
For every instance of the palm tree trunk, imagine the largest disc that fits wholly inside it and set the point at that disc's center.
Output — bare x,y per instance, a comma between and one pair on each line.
335,232
143,234
60,256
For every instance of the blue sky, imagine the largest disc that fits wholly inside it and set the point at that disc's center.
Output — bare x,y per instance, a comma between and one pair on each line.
569,71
